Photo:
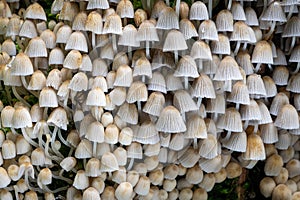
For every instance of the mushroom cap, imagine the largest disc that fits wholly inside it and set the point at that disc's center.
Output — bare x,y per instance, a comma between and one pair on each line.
35,11
224,21
262,53
125,9
170,121
228,70
21,118
124,191
80,21
203,87
97,4
198,11
281,191
5,180
187,28
56,56
255,148
208,31
36,48
91,193
58,117
94,23
287,117
21,65
129,37
147,32
168,19
183,101
113,24
239,94
273,165
28,29
128,113
137,92
77,41
266,186
238,12
274,12
174,41
186,67
251,17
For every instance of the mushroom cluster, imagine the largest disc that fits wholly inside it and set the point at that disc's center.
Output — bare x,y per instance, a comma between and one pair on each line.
153,103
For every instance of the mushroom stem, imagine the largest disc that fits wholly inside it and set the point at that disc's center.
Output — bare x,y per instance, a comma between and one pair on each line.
45,113
199,101
265,5
26,177
229,4
56,190
23,79
29,140
237,47
69,181
93,40
139,106
215,117
186,82
200,65
237,106
290,11
35,63
147,49
246,123
71,151
267,102
94,149
255,128
257,67
130,165
62,138
195,143
183,116
56,151
148,5
82,5
293,42
55,158
8,94
272,28
210,2
114,43
177,7
19,97
129,49
245,46
297,69
40,139
54,135
16,192
227,136
176,56
167,2
125,21
270,67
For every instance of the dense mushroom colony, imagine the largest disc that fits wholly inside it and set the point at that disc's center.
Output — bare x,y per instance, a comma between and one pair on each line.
155,103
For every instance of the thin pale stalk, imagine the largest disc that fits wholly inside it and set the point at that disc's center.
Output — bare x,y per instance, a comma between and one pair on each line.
272,28
114,43
19,97
210,2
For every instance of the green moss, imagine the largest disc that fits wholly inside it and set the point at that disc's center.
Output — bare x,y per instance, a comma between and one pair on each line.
224,191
